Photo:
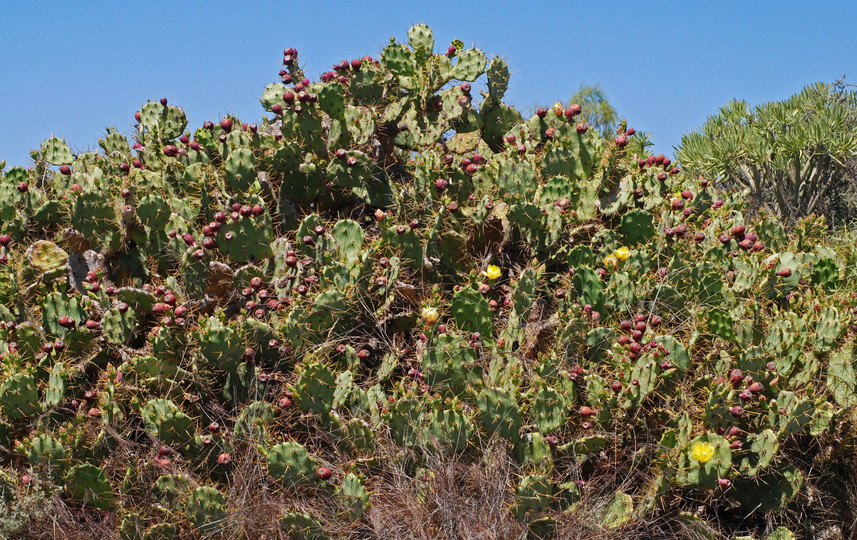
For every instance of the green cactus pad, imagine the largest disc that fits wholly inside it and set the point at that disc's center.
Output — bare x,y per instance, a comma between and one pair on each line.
469,66
57,152
316,387
19,397
205,507
290,463
499,413
420,38
166,422
88,484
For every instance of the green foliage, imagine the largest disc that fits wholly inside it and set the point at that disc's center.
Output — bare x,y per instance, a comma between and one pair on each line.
791,155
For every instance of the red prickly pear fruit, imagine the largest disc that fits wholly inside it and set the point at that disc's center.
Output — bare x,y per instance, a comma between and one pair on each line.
725,239
324,473
471,169
164,101
23,187
341,153
465,87
737,231
451,50
66,170
662,177
224,459
587,411
736,411
356,64
226,124
687,195
621,141
137,116
541,112
736,376
630,132
755,388
285,403
582,128
785,272
574,110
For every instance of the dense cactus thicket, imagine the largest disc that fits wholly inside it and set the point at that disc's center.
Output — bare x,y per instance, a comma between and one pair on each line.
398,309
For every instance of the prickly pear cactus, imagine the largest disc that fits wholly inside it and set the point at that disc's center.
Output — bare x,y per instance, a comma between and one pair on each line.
393,290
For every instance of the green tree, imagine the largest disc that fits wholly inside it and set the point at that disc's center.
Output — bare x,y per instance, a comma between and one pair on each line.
790,155
596,109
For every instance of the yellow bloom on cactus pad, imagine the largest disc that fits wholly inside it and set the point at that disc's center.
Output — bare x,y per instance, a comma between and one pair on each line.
610,262
622,253
430,315
493,272
702,451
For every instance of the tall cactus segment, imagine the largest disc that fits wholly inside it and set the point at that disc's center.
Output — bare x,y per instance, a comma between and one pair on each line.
392,295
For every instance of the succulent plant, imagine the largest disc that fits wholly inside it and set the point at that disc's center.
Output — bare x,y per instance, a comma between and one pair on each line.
382,275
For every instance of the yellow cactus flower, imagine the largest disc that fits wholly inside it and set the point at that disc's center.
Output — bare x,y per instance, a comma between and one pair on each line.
430,315
611,262
622,253
492,272
702,451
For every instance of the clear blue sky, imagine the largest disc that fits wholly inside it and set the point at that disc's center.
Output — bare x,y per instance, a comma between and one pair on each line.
72,68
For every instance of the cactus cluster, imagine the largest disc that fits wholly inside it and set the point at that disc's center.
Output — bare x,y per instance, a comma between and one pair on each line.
390,260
